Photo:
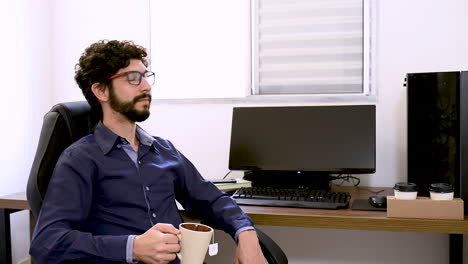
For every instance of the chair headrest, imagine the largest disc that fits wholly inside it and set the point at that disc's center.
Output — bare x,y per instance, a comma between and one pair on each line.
77,118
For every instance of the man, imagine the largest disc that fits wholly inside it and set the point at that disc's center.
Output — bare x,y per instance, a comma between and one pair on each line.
112,195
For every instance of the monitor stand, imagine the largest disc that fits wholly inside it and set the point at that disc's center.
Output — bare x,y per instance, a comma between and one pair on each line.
288,179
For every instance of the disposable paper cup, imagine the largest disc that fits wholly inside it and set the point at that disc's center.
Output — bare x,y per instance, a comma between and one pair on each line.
441,191
405,191
399,195
441,196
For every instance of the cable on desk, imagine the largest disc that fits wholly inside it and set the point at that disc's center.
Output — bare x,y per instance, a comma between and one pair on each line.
227,174
371,191
346,178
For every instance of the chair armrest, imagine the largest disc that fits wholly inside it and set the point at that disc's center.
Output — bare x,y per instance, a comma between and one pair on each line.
272,252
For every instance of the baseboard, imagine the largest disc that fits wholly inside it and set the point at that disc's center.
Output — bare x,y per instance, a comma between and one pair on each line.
25,261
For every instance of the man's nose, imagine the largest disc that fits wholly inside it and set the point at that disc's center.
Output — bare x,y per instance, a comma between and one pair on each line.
145,86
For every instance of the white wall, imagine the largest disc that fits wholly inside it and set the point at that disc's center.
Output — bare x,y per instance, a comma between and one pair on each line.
25,80
77,24
412,36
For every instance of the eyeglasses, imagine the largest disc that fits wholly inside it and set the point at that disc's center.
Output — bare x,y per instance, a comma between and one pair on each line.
134,77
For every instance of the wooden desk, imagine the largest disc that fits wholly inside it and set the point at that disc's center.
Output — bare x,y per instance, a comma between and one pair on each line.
294,217
8,205
352,219
359,220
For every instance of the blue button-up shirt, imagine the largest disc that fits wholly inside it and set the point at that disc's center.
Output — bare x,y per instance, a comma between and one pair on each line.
101,195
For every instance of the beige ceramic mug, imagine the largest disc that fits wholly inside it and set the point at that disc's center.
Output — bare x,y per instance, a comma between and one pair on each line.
194,241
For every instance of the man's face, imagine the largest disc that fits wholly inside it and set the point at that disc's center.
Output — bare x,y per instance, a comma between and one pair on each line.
132,101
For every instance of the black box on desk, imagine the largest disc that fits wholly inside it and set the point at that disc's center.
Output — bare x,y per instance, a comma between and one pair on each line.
437,130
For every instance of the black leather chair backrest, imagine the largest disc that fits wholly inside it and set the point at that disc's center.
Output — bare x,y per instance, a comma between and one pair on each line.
64,124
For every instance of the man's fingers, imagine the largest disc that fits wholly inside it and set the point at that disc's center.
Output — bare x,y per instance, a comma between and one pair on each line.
165,257
170,239
172,248
166,228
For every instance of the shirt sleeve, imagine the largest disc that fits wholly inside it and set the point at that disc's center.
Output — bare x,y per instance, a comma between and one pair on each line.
242,230
129,253
60,234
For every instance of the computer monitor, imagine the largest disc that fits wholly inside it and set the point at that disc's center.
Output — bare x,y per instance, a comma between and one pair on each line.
303,141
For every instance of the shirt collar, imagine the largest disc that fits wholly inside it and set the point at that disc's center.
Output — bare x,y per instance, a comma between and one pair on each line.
106,139
146,139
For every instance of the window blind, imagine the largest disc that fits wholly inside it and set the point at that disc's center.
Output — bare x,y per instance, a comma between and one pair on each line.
307,46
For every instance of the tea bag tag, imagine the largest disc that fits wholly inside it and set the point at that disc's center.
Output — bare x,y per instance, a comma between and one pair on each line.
213,248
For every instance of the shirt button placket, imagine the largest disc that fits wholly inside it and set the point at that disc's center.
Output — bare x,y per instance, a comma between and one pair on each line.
147,188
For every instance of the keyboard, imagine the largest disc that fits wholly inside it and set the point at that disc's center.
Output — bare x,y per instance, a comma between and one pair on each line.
299,198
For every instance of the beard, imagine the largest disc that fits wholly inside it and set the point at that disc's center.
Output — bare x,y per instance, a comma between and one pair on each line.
128,109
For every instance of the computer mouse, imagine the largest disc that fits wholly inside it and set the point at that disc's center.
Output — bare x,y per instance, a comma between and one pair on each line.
378,201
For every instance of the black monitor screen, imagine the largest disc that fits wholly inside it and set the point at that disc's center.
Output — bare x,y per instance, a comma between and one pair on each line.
322,139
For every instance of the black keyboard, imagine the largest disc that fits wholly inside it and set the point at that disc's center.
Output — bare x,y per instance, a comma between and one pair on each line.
301,198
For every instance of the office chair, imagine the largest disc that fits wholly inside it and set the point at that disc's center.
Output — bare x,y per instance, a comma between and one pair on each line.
64,124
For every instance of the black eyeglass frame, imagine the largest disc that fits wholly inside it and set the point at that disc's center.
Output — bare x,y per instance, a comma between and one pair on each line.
149,76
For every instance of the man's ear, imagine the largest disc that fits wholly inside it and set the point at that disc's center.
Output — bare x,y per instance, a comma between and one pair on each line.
100,91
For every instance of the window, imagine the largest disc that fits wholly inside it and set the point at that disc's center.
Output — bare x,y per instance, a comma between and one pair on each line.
310,47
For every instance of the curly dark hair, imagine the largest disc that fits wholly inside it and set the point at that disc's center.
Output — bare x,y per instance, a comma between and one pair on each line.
100,61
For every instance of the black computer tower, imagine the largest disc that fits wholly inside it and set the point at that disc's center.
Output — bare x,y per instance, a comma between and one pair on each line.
438,130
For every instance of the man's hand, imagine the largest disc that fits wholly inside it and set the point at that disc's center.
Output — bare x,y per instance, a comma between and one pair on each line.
158,245
248,249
